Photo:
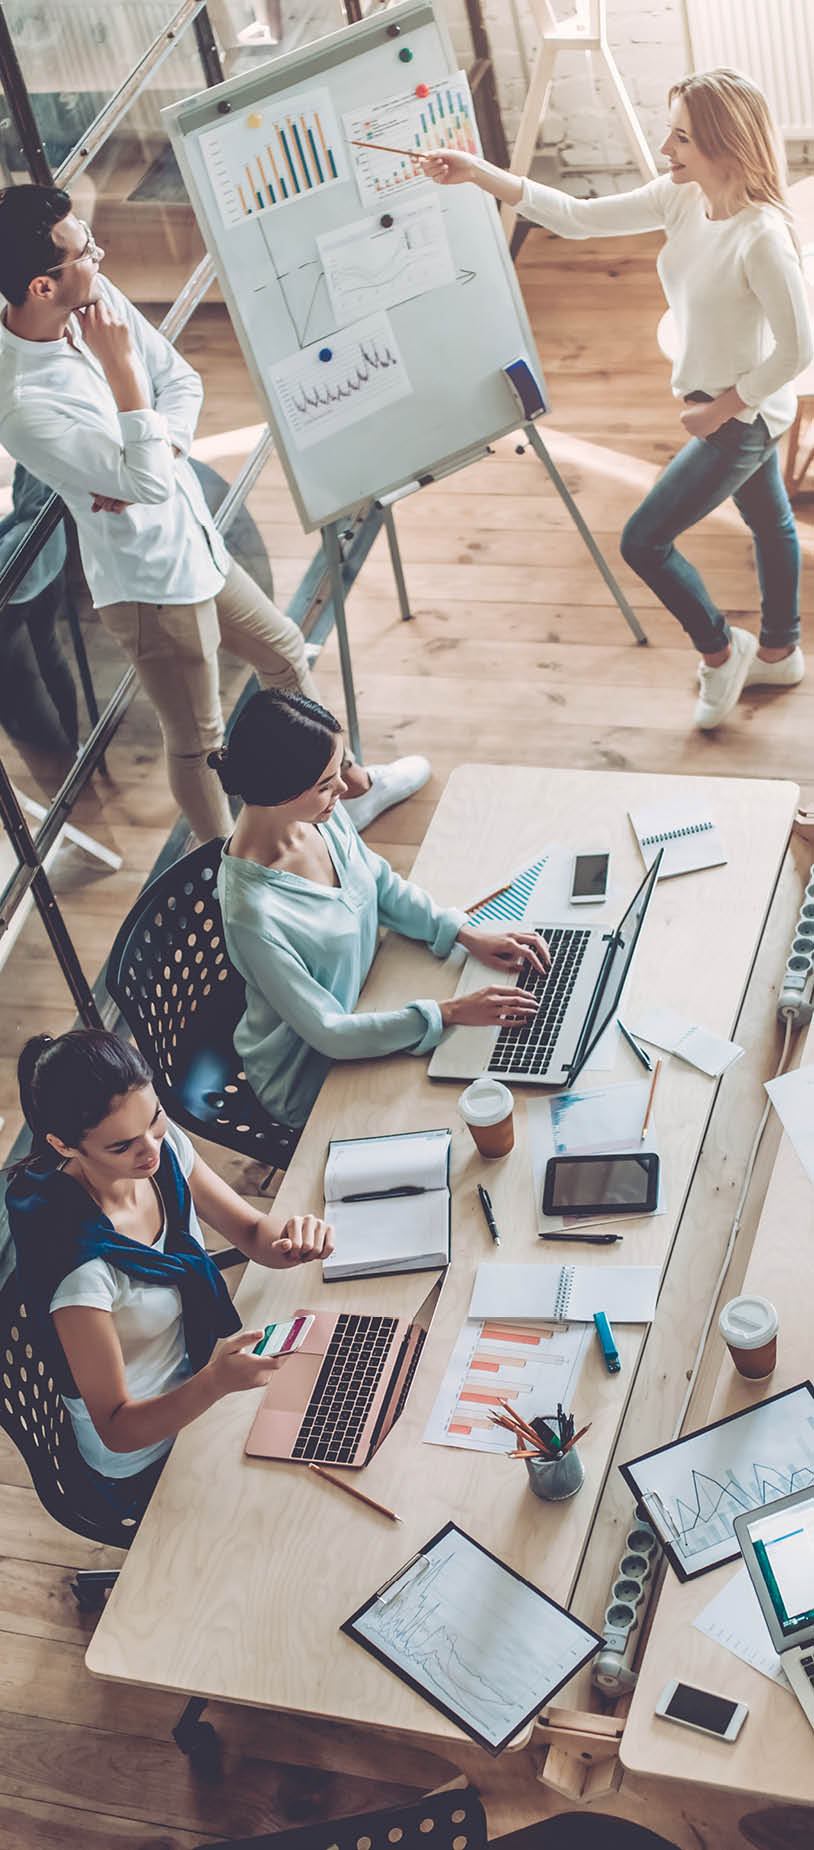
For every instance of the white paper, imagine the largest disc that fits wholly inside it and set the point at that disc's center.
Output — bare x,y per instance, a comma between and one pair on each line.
369,265
792,1096
482,1643
267,156
365,372
698,1046
532,1365
734,1619
362,1165
580,1122
445,118
686,833
695,1489
626,1293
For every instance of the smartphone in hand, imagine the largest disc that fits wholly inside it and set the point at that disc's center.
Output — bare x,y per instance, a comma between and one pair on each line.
284,1338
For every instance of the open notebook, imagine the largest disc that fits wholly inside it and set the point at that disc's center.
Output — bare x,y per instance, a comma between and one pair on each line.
570,1293
389,1203
688,836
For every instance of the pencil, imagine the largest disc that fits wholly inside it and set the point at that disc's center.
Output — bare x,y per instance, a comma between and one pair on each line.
353,1492
488,897
379,148
656,1071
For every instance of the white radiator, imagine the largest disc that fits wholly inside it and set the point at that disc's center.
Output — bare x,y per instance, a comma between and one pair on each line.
771,41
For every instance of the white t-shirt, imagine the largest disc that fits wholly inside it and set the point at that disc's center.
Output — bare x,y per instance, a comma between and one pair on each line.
735,287
150,1329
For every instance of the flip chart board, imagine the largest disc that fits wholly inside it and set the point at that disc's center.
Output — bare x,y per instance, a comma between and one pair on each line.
376,311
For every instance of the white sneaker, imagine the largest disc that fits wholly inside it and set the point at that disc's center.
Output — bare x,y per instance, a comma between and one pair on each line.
389,784
785,673
721,688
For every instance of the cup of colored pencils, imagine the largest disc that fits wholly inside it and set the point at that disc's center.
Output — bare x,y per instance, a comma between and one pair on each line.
549,1449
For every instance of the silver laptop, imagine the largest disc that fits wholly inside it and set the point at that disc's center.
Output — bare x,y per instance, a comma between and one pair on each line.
777,1544
578,997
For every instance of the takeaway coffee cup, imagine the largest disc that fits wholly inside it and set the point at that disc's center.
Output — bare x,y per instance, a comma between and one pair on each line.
487,1107
748,1326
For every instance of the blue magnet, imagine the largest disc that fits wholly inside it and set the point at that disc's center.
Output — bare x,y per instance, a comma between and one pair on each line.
326,353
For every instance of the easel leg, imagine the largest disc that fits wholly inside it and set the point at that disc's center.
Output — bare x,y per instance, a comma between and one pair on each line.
333,554
599,559
395,560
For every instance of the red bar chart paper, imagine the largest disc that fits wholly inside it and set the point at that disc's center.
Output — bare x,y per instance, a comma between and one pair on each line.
532,1366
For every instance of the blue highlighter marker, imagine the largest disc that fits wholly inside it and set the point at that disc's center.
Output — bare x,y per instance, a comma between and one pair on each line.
606,1338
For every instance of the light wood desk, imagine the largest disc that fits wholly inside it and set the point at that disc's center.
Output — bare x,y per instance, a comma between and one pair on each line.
773,1757
242,1571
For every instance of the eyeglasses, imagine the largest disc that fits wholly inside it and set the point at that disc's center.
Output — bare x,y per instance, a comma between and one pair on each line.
89,249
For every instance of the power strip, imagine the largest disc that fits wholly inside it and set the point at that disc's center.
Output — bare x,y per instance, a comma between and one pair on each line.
791,1004
610,1671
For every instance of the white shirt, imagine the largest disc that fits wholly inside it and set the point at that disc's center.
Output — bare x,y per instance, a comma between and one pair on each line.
735,287
59,418
150,1328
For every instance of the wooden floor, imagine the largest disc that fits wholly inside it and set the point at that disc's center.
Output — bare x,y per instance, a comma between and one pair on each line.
515,652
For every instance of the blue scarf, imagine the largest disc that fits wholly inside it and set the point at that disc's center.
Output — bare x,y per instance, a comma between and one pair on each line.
56,1226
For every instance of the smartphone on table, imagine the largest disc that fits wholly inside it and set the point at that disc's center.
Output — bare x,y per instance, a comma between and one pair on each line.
597,1184
589,879
702,1710
284,1338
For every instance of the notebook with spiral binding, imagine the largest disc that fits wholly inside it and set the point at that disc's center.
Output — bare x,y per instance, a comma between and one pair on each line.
567,1293
690,839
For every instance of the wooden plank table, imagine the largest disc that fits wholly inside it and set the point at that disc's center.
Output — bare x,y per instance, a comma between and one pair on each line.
773,1757
242,1570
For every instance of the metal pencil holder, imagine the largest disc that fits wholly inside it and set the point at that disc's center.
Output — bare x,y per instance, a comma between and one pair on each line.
554,1479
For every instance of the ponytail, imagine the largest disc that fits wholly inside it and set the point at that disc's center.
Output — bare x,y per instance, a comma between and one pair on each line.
68,1084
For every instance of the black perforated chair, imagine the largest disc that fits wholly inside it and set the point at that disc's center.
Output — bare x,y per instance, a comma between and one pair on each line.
448,1820
169,975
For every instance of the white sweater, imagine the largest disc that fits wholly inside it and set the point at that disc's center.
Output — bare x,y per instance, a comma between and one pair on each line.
734,285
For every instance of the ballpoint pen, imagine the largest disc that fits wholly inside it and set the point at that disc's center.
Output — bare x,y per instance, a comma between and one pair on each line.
588,1239
385,1194
640,1052
488,1213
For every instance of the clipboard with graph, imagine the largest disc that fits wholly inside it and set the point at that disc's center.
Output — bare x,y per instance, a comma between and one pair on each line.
693,1489
474,1638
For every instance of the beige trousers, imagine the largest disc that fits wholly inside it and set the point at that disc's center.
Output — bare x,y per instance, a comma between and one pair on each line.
174,649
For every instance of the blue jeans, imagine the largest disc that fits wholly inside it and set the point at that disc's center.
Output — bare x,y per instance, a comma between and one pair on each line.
738,460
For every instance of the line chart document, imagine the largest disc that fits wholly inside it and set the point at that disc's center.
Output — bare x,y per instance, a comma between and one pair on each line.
370,265
480,1643
326,388
734,1619
531,1365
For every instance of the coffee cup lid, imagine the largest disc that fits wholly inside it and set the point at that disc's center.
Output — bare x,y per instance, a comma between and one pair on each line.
486,1101
748,1322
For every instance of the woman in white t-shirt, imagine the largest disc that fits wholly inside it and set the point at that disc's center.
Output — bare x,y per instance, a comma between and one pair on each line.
124,1302
730,269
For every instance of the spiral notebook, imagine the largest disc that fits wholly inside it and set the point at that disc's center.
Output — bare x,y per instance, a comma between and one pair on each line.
569,1293
690,839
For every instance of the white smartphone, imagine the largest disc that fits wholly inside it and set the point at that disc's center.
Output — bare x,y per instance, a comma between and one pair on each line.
589,879
284,1338
700,1709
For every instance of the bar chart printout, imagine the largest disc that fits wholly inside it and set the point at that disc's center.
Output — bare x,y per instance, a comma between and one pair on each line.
444,118
272,154
531,1365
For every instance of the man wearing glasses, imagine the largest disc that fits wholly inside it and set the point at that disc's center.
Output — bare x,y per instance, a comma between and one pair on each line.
98,405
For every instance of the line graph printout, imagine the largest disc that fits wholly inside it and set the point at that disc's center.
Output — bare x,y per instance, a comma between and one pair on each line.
480,1643
694,1489
369,265
267,156
325,388
531,1365
444,118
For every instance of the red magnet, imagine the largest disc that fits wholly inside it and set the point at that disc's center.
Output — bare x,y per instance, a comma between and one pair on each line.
422,89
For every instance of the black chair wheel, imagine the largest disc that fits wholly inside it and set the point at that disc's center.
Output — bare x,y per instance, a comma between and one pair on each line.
88,1599
203,1748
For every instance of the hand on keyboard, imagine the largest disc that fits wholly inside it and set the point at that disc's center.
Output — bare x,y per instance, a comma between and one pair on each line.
488,1007
506,950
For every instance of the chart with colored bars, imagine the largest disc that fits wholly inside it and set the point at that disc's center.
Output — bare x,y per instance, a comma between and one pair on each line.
408,123
531,1365
269,157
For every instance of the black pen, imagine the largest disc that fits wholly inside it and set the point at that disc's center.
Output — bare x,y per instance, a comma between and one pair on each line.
640,1052
488,1213
386,1194
591,1239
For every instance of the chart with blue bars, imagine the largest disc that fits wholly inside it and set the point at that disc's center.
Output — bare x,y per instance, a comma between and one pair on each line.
511,902
270,156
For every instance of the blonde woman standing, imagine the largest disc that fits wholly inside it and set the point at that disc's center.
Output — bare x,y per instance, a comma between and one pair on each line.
730,270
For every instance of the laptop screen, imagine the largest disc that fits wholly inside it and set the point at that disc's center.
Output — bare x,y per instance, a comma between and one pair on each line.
782,1546
609,988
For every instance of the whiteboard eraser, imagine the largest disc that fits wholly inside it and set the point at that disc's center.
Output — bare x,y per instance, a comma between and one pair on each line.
525,389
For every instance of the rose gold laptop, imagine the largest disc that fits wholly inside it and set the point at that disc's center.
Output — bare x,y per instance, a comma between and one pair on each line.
338,1396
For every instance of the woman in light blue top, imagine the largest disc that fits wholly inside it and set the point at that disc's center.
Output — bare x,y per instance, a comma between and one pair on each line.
303,898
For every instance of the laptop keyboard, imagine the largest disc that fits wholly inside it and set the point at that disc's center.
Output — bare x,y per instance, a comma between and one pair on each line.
344,1389
529,1050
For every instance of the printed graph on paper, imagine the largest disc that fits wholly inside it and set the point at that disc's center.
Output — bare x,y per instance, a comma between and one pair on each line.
269,156
322,396
530,1365
696,1488
444,118
476,1640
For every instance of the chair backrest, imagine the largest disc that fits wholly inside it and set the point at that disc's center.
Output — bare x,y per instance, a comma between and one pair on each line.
34,1416
182,999
448,1820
